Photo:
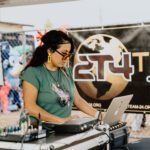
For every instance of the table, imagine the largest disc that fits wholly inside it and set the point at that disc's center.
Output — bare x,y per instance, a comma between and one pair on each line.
81,141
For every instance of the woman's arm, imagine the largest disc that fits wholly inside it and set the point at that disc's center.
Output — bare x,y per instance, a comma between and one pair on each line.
29,96
83,105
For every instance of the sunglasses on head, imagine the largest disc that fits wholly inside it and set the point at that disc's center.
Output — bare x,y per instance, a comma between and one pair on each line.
65,56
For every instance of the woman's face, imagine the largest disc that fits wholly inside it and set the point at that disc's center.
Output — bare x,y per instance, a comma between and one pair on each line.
61,56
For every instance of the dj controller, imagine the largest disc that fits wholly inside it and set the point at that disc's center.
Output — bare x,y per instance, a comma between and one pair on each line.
21,134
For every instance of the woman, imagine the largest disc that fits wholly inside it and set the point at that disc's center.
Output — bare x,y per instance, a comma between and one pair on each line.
48,87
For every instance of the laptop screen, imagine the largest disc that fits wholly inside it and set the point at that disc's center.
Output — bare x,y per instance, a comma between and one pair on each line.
116,109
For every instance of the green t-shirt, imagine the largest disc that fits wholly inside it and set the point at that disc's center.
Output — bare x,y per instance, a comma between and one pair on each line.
50,95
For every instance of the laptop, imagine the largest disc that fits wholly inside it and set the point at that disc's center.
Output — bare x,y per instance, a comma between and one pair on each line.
116,109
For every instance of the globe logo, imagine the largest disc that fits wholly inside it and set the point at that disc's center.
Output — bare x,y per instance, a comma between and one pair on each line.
113,84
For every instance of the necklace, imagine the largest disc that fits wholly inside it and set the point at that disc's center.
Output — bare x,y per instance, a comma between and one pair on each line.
63,96
56,80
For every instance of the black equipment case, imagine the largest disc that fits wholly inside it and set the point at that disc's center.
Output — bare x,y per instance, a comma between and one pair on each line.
119,135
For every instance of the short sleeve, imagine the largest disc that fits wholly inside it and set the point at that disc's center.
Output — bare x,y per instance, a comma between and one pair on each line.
30,75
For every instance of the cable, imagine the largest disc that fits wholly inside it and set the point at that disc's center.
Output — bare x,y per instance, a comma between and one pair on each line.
23,138
100,117
25,114
103,131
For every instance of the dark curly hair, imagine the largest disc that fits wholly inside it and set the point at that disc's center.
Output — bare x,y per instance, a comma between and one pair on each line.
52,40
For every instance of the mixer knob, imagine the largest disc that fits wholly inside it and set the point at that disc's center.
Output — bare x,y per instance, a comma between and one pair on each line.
85,126
82,128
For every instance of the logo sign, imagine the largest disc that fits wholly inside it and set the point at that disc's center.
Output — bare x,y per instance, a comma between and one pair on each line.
107,66
102,64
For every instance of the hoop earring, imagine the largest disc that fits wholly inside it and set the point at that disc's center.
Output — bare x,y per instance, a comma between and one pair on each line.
49,58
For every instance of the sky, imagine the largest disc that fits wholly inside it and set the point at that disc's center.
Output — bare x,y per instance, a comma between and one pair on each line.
80,13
